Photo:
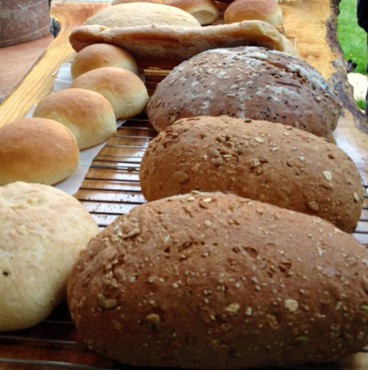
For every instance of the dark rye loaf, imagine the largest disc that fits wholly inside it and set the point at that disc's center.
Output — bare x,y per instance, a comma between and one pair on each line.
259,160
246,82
216,281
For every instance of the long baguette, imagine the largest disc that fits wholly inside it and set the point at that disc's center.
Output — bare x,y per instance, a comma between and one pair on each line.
166,46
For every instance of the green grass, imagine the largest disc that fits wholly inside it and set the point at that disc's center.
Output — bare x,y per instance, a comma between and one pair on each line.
351,37
361,104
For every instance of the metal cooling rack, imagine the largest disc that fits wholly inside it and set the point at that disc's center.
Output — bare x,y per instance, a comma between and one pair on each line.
111,188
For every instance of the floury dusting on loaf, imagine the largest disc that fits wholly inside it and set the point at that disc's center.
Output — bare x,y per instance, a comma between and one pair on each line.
246,82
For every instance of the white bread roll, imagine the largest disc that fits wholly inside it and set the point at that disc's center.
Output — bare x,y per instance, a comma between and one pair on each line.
245,10
140,13
101,55
205,11
86,113
42,231
37,150
123,89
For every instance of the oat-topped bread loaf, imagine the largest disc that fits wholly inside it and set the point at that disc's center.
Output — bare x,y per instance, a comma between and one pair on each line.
259,160
216,281
245,82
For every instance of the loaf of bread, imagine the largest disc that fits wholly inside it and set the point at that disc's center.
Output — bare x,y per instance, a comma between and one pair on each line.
141,13
216,281
246,82
166,46
37,150
42,231
122,88
205,11
263,10
101,55
86,113
259,160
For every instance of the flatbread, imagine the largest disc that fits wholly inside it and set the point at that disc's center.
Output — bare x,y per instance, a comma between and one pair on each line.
166,46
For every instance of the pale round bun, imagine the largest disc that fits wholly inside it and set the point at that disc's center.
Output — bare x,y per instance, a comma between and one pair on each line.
123,89
42,231
263,10
37,150
116,2
86,113
205,11
101,55
141,13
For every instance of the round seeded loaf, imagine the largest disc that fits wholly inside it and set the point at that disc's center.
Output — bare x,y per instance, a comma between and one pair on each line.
259,160
216,281
246,82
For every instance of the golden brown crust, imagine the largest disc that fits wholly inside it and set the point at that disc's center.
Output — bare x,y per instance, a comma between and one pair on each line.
122,88
205,11
37,150
217,281
257,160
86,113
166,46
264,10
101,55
246,82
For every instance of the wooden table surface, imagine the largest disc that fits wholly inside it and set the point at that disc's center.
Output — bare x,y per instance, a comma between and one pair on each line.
111,186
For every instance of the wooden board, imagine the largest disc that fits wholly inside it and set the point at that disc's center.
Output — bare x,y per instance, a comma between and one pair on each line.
111,186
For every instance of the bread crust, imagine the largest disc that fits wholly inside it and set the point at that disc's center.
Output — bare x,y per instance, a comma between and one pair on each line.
205,11
101,55
246,82
264,10
259,160
37,150
125,91
85,112
42,231
166,46
142,13
216,281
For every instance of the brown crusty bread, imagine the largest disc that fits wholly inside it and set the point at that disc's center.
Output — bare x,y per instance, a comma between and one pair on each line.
205,11
259,160
166,46
264,10
216,281
246,82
